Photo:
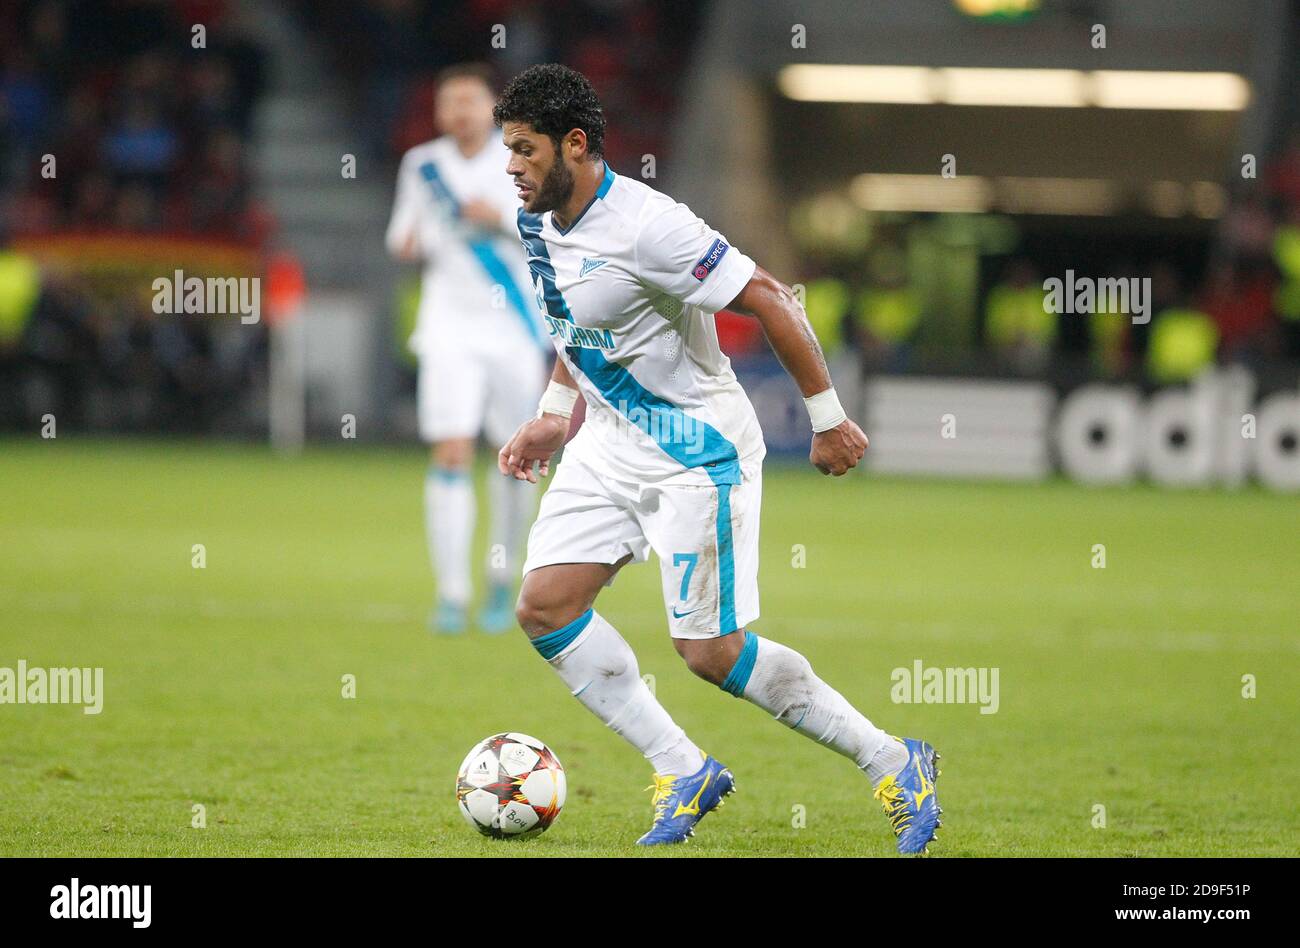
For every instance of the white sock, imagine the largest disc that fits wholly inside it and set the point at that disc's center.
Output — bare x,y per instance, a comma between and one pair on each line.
601,671
513,505
890,759
449,526
780,681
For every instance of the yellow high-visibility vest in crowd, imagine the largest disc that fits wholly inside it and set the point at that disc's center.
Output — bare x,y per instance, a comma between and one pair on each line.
1286,253
1013,312
889,314
20,288
406,309
825,301
1182,344
1107,333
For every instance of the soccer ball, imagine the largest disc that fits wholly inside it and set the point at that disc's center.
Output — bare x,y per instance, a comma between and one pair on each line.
510,786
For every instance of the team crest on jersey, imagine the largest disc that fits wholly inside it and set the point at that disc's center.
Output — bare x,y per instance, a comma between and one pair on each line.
704,266
588,264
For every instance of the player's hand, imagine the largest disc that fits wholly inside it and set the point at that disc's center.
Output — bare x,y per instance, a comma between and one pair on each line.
527,454
409,250
481,213
836,450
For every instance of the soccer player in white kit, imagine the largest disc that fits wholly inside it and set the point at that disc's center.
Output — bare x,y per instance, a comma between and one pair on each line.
479,338
669,459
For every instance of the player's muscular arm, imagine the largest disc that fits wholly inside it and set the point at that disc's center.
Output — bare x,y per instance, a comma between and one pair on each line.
527,455
836,449
773,304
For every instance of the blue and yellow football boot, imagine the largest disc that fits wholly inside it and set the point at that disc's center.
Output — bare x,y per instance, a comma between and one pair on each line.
681,802
909,798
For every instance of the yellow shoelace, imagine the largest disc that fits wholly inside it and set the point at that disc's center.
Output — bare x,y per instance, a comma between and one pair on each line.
890,795
663,789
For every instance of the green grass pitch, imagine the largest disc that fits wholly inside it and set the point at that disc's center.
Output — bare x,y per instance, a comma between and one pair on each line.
1119,687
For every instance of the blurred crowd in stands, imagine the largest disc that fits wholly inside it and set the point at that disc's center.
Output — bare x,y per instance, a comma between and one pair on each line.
118,118
1244,308
391,50
147,132
121,121
1241,306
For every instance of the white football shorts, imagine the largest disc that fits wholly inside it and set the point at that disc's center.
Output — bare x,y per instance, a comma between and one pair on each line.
465,390
706,539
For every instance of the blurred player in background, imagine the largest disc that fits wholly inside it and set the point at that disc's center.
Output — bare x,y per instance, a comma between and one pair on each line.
670,458
478,337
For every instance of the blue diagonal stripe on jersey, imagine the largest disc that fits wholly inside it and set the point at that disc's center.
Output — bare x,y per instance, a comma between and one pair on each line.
624,393
441,193
619,387
486,254
499,273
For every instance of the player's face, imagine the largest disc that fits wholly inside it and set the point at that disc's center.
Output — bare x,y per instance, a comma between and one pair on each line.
463,109
543,180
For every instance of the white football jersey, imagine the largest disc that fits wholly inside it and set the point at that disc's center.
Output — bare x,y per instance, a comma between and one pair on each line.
628,293
475,281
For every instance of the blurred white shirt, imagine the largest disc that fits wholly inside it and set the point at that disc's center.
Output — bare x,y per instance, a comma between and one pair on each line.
475,280
629,290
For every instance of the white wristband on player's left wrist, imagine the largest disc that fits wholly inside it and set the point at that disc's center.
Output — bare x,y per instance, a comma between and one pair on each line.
557,400
825,410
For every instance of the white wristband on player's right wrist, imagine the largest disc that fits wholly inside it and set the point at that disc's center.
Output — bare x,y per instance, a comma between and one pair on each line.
825,410
557,400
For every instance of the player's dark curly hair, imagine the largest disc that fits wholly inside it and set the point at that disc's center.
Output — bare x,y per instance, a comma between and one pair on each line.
554,100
